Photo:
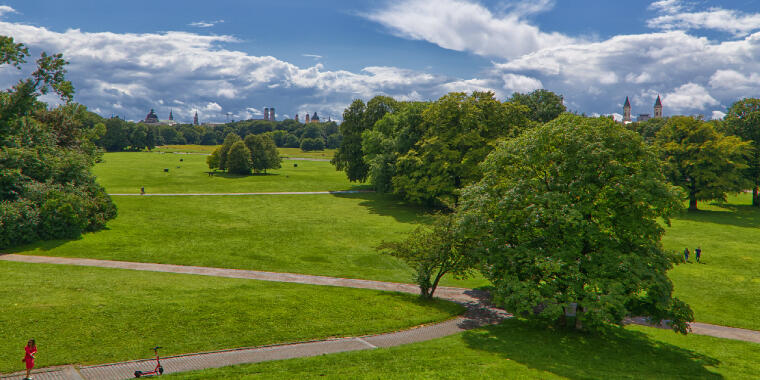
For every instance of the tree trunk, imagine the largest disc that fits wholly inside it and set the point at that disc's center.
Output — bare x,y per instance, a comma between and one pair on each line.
692,203
755,197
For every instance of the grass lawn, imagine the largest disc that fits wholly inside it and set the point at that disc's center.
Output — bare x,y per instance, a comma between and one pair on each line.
128,172
97,315
725,288
331,235
517,350
208,149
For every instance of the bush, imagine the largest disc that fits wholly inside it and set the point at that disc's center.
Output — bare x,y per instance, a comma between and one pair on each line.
18,222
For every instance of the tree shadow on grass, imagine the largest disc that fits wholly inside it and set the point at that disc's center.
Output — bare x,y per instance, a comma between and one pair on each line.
449,307
387,205
735,215
236,176
45,245
617,353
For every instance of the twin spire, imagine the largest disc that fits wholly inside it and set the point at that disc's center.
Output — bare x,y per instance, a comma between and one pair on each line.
642,117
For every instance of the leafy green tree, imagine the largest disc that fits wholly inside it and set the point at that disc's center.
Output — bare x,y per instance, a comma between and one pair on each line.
349,156
239,159
291,141
225,148
312,131
117,135
139,137
648,129
46,188
459,132
213,159
702,161
566,219
544,105
743,120
208,138
264,154
432,253
308,144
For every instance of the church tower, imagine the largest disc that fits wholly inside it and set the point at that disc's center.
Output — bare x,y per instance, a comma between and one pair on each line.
307,118
195,118
627,111
658,108
171,115
297,118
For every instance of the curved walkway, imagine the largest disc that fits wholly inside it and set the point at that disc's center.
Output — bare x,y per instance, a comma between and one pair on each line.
479,313
263,193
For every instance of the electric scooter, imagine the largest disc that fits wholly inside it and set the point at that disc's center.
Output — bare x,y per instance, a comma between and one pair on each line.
158,371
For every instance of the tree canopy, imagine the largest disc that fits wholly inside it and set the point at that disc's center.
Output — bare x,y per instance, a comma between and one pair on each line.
46,188
701,160
544,105
743,120
566,220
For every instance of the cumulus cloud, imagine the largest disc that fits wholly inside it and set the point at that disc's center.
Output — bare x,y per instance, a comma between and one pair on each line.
5,9
467,26
690,96
677,15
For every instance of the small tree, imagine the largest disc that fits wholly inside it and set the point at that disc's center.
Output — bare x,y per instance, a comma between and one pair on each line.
264,154
213,159
566,217
702,161
225,148
239,159
432,253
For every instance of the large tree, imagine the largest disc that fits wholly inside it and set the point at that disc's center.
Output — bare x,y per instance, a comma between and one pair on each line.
223,150
458,132
264,154
743,120
46,188
565,221
544,105
701,160
239,159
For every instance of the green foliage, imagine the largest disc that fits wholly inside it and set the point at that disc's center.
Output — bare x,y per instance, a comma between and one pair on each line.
308,145
239,159
46,188
544,105
567,215
648,129
701,160
432,253
743,120
264,154
225,148
213,159
457,133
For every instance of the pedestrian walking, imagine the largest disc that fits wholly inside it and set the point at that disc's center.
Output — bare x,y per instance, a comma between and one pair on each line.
142,190
698,253
29,353
686,254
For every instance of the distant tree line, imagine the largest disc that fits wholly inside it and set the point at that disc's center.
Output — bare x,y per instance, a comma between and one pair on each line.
124,135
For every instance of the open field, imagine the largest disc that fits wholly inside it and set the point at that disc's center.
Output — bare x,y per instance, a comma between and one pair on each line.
314,234
207,149
128,172
97,315
517,350
725,288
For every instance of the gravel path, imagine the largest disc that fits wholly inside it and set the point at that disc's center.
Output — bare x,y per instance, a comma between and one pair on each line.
479,313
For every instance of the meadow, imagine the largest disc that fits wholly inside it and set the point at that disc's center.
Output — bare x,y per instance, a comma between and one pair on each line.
97,315
126,173
208,149
517,350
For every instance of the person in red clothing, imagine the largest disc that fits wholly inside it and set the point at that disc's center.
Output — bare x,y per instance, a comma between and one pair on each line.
30,350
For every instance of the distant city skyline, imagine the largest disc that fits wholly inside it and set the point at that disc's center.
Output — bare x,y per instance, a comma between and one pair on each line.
237,57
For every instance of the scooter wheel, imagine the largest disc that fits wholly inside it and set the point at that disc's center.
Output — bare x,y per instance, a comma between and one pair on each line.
160,370
138,373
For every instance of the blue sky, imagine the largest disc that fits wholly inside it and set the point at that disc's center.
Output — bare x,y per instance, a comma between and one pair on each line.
306,56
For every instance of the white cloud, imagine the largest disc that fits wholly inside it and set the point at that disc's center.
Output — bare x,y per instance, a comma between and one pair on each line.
467,26
726,20
315,56
520,83
690,96
5,9
212,107
205,24
718,115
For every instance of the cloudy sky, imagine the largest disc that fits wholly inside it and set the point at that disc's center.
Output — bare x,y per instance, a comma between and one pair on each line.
234,58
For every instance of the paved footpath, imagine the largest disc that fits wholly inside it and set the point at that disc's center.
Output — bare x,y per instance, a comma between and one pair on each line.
479,313
265,193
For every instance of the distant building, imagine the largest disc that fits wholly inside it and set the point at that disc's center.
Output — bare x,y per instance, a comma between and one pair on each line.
315,118
307,118
644,116
297,118
152,118
195,118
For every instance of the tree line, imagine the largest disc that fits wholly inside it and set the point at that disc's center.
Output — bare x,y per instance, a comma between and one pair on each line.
121,135
561,212
46,188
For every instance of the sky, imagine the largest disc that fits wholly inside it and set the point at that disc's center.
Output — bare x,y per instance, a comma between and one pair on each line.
229,59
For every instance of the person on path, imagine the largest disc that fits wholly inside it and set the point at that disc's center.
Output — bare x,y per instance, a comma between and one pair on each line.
686,254
142,190
698,253
29,352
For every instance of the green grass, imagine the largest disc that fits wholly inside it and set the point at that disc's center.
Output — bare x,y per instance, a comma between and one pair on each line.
725,288
517,350
128,172
96,315
208,149
331,235
297,152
